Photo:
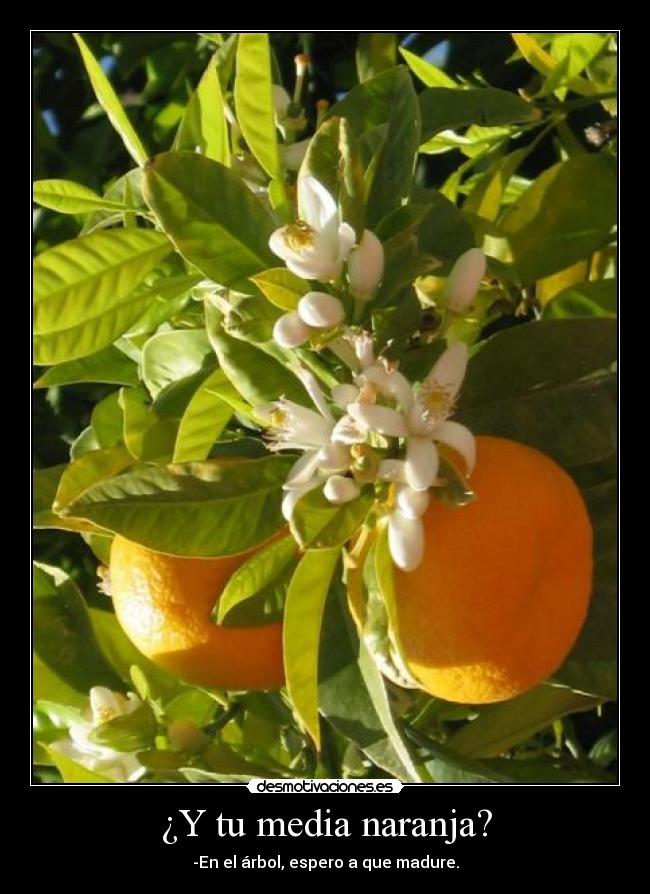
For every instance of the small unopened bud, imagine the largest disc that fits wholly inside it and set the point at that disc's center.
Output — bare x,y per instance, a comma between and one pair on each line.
333,458
412,503
186,736
342,395
464,280
366,266
290,330
321,310
339,490
302,60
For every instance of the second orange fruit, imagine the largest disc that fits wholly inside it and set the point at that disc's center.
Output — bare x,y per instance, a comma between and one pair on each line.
503,590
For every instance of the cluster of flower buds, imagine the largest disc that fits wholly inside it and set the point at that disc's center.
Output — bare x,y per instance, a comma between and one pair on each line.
316,248
378,429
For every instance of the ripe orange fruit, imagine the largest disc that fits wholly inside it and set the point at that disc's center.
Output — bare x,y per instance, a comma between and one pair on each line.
163,604
503,590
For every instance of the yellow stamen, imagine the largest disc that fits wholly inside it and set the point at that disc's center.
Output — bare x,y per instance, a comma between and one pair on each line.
437,401
278,418
299,235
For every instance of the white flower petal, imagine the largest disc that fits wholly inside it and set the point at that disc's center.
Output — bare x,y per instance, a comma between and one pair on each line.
281,101
321,310
380,419
292,154
333,458
292,496
302,470
279,245
464,280
392,470
405,540
290,330
342,395
315,205
460,439
339,490
314,390
391,384
348,431
449,370
366,266
312,267
422,462
412,503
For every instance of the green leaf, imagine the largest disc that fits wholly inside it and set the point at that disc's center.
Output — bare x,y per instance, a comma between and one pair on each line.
429,74
68,197
587,299
564,216
169,296
46,482
149,437
204,419
548,384
352,694
85,291
486,198
255,593
443,230
258,377
301,633
110,103
444,108
545,64
128,732
370,104
282,287
502,726
215,508
107,421
203,124
394,161
318,524
375,53
211,216
87,471
63,635
72,772
108,365
170,356
254,101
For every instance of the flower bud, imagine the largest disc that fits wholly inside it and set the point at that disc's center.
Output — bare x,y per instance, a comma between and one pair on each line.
405,541
342,395
185,735
366,266
333,458
290,331
464,280
339,489
412,503
321,310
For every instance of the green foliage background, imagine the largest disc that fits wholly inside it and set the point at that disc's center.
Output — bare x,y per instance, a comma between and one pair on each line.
552,733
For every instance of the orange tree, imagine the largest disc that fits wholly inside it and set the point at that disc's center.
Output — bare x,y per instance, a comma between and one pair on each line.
326,344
